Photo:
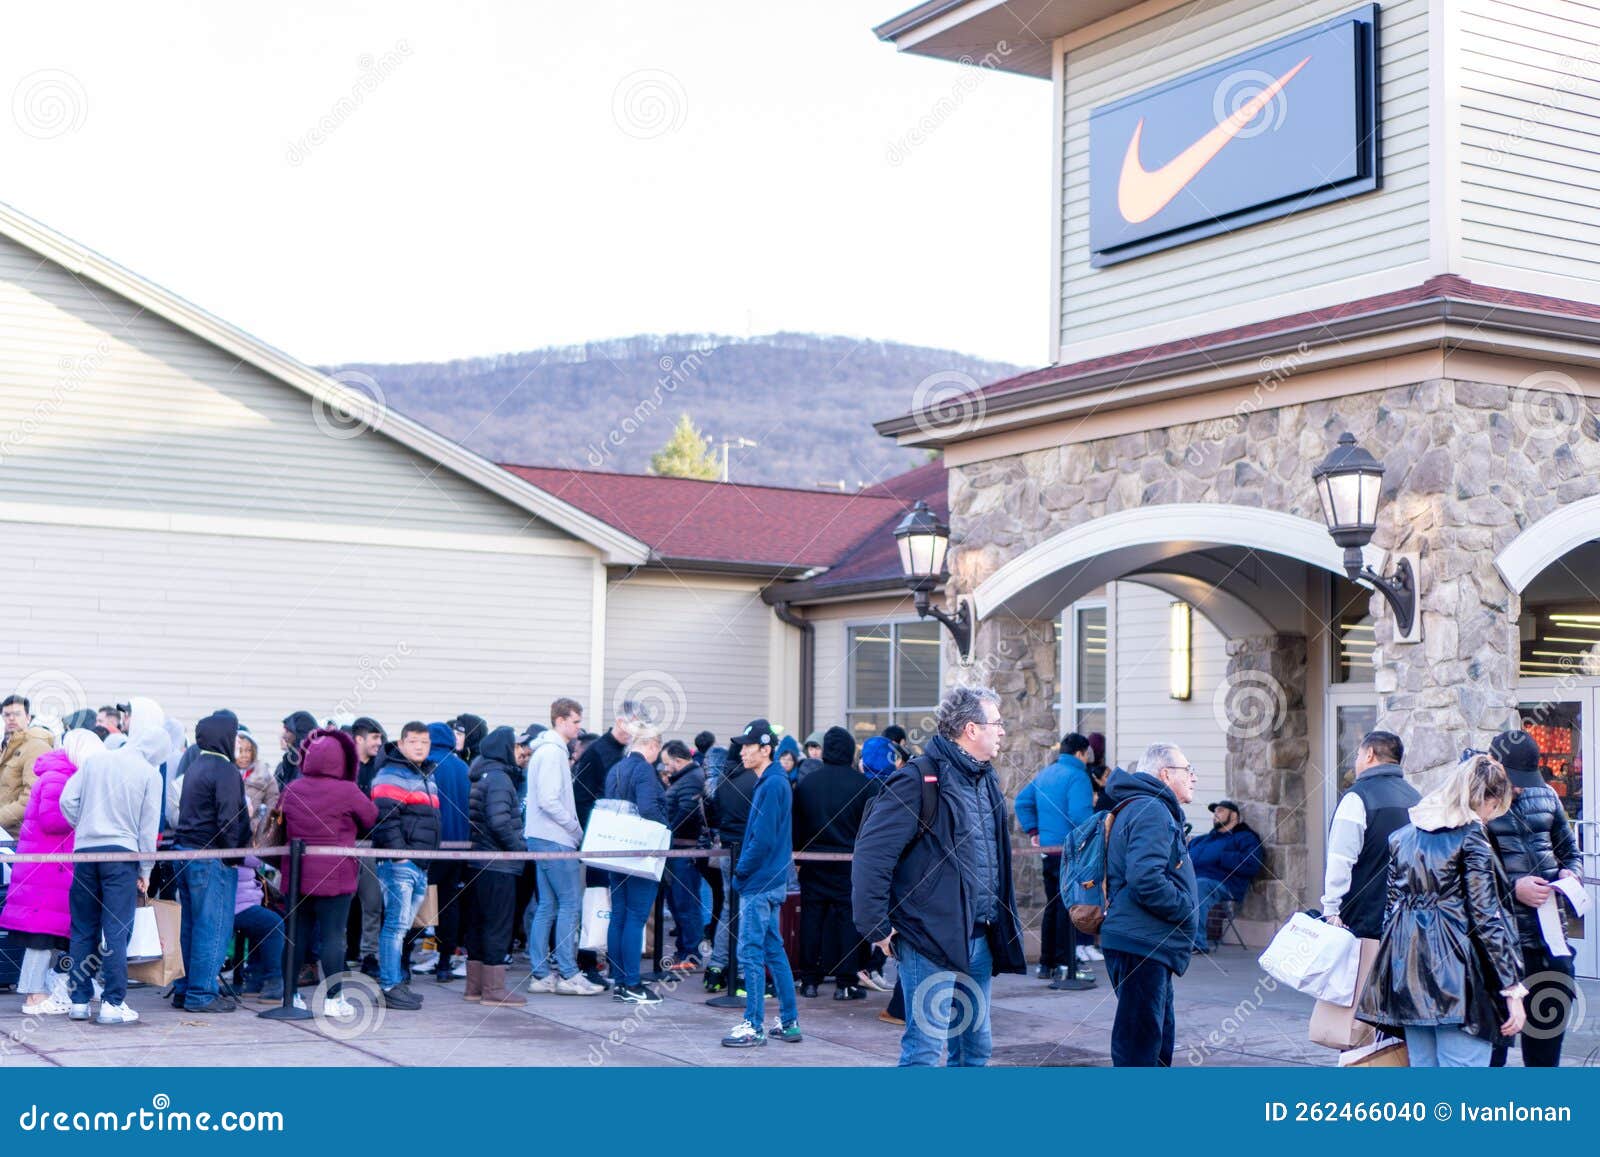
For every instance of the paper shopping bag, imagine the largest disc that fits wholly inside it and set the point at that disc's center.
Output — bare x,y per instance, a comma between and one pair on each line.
596,919
428,914
1314,958
1388,1053
145,943
617,831
1335,1026
169,965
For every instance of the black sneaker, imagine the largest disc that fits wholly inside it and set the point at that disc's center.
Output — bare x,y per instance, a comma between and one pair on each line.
637,994
1073,983
850,992
1043,972
594,976
402,998
716,980
369,965
444,975
808,989
220,1004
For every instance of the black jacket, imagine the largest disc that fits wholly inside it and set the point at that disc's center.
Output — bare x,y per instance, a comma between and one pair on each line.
589,774
1388,800
1534,839
729,809
685,812
829,806
493,807
913,880
301,724
1449,945
212,812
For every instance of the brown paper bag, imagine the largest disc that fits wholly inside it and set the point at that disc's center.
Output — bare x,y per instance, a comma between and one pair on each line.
169,922
1334,1025
428,914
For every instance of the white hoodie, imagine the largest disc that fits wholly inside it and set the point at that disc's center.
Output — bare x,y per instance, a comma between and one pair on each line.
114,799
552,813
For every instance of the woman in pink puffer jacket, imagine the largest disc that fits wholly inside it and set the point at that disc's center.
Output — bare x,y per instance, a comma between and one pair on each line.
37,904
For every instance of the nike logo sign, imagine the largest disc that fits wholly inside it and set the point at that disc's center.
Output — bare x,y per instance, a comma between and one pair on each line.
1142,193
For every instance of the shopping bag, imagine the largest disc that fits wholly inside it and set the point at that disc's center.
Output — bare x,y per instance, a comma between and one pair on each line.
1335,1026
145,943
428,914
1314,958
1388,1053
617,831
596,919
169,965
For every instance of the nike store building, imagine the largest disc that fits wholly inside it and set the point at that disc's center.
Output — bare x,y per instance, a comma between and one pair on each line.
1277,223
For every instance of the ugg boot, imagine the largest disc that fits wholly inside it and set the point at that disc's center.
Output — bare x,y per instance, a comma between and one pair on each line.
474,981
494,989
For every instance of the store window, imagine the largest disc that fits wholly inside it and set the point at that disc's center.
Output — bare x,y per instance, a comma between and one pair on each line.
1560,639
895,677
1352,626
1088,652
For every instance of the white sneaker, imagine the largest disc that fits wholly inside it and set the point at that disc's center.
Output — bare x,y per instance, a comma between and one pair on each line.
116,1014
80,1012
335,1006
578,985
545,983
459,968
875,981
1090,952
51,1005
299,1002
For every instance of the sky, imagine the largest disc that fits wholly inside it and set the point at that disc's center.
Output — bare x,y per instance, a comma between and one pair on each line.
423,181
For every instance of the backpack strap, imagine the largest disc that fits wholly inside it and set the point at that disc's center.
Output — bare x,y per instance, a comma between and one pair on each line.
928,809
1105,860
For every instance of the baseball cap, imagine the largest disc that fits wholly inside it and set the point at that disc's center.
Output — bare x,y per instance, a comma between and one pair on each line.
527,737
1227,803
1518,753
759,732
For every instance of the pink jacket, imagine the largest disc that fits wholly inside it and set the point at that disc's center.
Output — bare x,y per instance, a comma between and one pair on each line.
39,895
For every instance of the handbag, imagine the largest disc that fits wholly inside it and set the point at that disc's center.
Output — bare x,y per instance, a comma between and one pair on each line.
596,919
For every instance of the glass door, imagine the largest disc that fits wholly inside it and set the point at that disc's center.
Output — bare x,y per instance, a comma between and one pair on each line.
1352,712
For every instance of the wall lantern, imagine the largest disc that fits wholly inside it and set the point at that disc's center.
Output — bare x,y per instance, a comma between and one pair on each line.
1180,652
924,541
1348,481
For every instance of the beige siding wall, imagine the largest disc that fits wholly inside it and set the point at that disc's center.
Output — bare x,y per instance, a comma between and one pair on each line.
1368,234
205,621
108,407
1530,132
1145,712
695,649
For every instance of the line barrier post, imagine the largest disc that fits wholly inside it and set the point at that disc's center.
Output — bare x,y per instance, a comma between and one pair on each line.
291,927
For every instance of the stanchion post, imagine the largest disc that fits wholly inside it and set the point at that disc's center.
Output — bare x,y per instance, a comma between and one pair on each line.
731,998
291,926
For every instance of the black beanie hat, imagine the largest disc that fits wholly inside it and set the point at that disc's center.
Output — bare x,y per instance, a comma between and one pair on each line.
838,747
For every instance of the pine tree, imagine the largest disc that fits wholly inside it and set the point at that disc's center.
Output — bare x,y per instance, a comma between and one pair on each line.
686,455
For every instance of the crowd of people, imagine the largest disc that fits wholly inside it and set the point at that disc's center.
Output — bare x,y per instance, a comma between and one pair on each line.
913,863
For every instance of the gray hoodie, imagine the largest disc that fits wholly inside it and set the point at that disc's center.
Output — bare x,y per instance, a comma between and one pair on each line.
114,800
552,814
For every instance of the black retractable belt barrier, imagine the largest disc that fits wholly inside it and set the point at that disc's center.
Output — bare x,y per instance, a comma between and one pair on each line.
291,936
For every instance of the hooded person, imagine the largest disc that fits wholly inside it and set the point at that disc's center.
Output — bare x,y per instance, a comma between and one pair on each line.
878,758
810,762
496,821
113,803
473,729
325,807
211,814
451,777
829,806
297,726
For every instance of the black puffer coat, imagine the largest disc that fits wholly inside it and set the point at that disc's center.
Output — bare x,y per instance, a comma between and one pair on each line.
1449,945
493,808
1534,839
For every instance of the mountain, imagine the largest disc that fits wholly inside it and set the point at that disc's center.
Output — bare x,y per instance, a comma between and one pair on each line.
808,400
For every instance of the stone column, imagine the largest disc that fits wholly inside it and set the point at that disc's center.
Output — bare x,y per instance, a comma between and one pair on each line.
1261,708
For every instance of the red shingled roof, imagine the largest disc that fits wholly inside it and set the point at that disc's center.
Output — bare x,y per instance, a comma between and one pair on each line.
686,520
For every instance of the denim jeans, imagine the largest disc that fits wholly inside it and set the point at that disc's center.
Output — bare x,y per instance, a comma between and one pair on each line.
946,1011
102,899
263,967
719,942
1445,1046
1145,1027
1209,893
560,907
632,898
761,948
683,897
207,889
405,886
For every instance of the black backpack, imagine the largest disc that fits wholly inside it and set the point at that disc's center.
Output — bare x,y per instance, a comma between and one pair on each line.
928,808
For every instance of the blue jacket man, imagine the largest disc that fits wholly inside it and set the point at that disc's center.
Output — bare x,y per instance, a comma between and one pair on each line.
1055,802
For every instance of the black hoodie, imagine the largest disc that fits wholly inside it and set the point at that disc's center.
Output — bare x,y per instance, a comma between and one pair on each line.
828,808
301,724
493,807
212,812
475,728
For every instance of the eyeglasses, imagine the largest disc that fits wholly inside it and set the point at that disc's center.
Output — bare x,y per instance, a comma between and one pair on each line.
1189,767
990,723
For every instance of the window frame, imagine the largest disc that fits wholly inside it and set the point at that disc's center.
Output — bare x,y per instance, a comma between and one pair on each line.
892,710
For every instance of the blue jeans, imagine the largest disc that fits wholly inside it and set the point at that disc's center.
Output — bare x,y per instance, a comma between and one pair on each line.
560,906
719,940
1145,1027
405,886
1445,1046
632,898
946,1011
761,948
263,967
102,900
207,889
683,897
1209,893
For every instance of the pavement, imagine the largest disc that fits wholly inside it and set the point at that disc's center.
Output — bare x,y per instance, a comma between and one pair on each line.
1228,1011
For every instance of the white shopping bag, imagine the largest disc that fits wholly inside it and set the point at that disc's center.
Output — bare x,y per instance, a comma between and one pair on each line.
145,943
596,919
617,831
1314,958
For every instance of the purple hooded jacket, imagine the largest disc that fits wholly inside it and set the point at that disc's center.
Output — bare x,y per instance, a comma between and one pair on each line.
324,806
38,899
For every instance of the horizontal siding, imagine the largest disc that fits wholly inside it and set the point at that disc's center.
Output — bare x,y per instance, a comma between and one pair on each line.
1530,135
1146,713
1366,234
105,405
205,621
695,650
832,672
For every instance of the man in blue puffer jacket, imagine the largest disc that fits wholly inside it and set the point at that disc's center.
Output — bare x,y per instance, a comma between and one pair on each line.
1056,801
1225,859
453,780
1148,932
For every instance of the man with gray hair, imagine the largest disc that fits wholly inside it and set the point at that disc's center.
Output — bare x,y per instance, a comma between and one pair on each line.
1150,920
931,882
589,784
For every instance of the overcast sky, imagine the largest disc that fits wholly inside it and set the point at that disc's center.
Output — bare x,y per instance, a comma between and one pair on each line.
405,181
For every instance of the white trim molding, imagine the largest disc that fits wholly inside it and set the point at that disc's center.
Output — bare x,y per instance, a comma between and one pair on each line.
1540,545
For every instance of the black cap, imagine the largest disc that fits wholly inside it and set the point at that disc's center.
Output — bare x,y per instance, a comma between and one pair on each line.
533,732
759,732
1227,803
1519,755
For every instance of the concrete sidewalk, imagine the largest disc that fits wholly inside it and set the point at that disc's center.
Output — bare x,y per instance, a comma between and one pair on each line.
1229,1013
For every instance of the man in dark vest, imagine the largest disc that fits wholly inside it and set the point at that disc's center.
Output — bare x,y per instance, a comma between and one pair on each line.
1376,806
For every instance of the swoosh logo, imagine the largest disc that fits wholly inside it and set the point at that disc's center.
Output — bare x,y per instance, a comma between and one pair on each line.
1142,193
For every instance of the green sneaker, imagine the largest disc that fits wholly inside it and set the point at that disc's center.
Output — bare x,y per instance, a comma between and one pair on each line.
788,1030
